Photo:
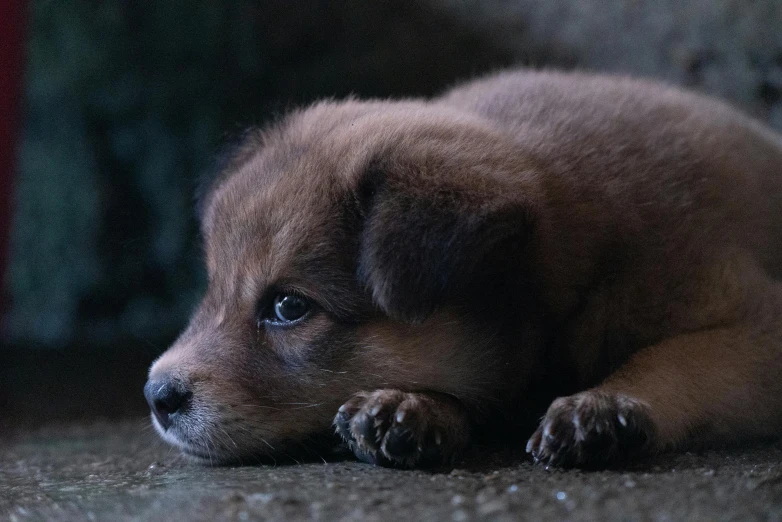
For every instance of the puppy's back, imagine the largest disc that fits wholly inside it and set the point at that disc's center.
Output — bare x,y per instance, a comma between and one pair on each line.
643,154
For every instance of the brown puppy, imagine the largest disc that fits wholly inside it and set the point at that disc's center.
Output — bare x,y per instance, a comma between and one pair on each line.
429,269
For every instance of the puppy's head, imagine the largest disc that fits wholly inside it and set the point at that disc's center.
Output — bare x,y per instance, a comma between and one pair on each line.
354,246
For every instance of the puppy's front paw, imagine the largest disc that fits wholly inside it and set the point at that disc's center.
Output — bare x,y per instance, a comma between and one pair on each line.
591,429
397,429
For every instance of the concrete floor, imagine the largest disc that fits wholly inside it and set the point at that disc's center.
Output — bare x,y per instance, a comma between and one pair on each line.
118,470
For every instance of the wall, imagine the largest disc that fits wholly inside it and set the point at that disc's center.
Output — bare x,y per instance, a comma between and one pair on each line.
125,106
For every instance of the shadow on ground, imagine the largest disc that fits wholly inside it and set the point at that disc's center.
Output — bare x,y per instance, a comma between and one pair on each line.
118,470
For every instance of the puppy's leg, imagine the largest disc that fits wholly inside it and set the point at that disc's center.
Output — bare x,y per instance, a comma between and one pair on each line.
393,428
710,386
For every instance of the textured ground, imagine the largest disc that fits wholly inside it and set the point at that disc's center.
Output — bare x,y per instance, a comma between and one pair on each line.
119,471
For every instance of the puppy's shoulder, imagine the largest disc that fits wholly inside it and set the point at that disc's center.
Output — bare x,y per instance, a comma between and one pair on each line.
548,91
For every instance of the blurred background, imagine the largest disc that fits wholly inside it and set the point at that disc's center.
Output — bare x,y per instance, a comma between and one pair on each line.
121,106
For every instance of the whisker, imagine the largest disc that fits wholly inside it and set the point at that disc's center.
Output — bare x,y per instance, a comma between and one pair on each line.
308,406
310,451
294,460
259,406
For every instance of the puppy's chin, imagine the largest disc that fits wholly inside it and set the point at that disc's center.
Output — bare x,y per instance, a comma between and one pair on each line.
196,441
204,440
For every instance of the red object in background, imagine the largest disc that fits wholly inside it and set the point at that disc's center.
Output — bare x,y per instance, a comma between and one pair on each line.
12,18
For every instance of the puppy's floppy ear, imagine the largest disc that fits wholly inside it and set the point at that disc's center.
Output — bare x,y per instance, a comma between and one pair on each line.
430,233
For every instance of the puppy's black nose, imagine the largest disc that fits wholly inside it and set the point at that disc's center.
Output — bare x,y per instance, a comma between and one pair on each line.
165,397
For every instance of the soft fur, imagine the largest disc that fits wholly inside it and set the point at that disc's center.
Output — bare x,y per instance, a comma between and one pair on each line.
531,235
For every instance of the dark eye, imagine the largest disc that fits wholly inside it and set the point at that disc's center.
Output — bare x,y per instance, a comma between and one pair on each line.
289,308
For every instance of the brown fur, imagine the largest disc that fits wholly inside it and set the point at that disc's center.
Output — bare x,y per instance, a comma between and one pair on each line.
527,235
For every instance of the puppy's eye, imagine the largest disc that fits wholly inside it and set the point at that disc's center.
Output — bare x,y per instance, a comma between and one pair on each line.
289,308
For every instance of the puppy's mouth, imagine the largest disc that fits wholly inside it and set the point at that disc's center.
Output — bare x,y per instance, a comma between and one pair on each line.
197,455
203,440
180,434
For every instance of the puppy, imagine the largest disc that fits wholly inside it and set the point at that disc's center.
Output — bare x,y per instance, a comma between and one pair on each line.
432,271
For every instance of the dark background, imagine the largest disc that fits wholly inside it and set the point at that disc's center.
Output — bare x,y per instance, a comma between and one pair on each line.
124,104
